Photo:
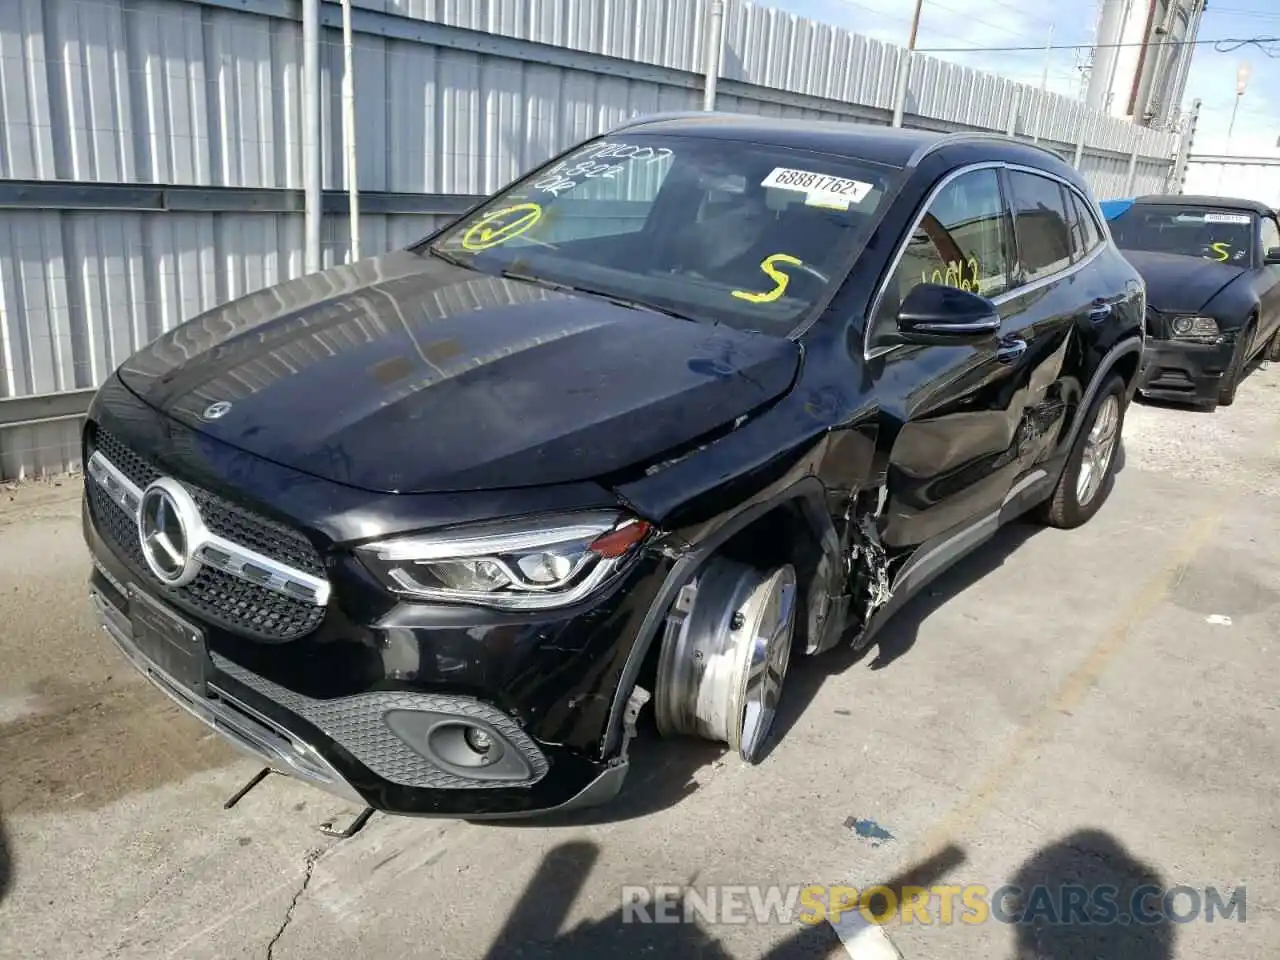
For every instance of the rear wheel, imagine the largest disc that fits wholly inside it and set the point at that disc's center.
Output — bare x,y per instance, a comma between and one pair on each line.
725,654
1235,370
1086,479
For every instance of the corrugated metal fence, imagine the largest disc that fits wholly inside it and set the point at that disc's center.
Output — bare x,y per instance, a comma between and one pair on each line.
1252,178
152,163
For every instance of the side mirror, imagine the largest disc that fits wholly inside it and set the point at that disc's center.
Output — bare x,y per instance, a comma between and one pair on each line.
1273,257
935,314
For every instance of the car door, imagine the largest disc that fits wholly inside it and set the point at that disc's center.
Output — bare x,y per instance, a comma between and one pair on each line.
1056,292
950,412
1268,282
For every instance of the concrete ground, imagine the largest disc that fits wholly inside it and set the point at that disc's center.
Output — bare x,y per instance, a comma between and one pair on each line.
1093,707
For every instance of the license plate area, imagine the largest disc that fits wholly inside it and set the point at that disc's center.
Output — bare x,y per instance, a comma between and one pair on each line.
175,647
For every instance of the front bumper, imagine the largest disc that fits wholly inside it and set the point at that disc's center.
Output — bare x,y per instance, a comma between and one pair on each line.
344,697
1183,371
345,747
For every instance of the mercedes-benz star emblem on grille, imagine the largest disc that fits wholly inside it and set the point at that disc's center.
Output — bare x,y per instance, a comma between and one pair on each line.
216,410
167,520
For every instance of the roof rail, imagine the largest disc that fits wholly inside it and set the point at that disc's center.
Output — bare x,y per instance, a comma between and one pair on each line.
655,118
962,136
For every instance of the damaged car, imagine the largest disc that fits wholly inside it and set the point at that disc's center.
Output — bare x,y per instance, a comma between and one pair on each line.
1212,269
692,400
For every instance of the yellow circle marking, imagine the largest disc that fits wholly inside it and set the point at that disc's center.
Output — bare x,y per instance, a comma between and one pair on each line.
500,226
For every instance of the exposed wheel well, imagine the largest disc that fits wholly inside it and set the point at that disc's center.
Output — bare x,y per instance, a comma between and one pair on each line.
1127,367
783,535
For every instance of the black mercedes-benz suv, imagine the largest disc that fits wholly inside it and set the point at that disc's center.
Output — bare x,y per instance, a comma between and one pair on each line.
430,530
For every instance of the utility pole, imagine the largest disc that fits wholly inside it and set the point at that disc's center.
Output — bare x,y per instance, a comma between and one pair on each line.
1242,84
904,66
1044,84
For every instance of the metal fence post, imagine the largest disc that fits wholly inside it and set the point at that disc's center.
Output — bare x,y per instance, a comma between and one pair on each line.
900,88
349,131
1178,176
1080,138
1131,177
311,170
713,50
1015,103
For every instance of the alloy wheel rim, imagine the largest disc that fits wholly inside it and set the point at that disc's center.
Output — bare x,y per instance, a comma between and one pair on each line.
1099,448
770,658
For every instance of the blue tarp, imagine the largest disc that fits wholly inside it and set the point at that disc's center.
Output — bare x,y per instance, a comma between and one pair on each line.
1113,208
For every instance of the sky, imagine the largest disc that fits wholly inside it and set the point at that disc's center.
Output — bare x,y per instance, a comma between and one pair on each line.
1004,23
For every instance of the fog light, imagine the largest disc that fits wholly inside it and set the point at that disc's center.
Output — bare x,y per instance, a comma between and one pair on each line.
478,740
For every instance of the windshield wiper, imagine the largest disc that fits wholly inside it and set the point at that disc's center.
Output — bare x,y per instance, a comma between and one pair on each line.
588,291
448,257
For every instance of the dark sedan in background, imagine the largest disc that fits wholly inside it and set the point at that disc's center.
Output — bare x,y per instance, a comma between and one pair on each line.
1212,268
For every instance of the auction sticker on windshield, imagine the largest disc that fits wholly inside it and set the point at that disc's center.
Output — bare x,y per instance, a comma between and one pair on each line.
820,189
1227,218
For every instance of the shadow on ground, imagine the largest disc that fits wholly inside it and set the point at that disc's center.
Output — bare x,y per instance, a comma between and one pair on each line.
1095,864
899,635
534,927
1092,860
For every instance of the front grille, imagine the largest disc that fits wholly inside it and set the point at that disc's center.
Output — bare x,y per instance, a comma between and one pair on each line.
215,596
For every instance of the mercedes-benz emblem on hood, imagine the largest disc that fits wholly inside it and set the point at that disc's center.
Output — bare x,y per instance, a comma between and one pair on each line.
167,520
213,411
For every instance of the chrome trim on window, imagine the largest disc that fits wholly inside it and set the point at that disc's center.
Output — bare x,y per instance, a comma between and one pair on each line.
870,353
209,549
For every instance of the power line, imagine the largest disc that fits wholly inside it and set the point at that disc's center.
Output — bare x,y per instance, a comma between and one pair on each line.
1222,46
969,18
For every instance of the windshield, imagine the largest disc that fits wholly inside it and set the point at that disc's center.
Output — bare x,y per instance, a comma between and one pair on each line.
1222,235
746,234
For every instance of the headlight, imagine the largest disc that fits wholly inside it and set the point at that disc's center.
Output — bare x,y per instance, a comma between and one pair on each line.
533,564
1195,328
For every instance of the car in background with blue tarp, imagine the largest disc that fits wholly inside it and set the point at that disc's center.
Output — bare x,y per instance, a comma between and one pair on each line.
1212,269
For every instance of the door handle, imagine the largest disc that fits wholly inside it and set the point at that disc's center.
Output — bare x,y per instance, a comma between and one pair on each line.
1010,350
1099,311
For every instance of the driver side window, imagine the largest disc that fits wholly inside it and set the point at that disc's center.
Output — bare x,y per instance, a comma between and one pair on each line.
961,241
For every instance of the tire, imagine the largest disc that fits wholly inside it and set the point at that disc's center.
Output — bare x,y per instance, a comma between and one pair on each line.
1086,478
1235,371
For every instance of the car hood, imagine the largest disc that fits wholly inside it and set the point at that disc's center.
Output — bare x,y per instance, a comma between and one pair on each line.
1180,284
407,374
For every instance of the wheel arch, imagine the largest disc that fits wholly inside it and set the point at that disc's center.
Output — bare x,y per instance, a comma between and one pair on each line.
1128,352
803,502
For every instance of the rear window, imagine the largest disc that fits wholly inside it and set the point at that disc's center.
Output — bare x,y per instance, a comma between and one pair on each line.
1040,224
747,234
1223,234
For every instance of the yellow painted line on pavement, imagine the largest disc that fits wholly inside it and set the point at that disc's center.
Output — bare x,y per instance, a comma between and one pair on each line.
1073,687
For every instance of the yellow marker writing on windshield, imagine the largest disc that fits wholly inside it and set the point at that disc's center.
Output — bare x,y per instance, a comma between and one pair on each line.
780,278
1223,250
500,226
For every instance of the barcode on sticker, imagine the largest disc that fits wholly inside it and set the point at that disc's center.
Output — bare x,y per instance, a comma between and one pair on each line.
821,184
1227,218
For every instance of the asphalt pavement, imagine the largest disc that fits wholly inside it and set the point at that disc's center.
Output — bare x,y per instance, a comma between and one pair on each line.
1094,708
